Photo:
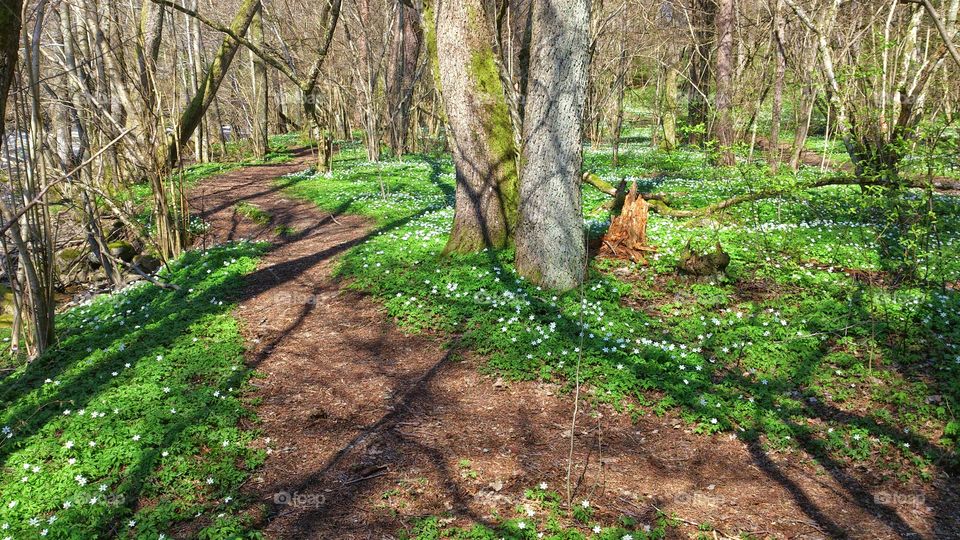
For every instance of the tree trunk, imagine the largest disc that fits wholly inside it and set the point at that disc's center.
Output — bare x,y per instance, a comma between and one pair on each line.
170,203
481,133
261,98
723,129
776,111
551,248
804,106
668,115
622,68
699,85
34,238
71,153
9,44
214,76
402,76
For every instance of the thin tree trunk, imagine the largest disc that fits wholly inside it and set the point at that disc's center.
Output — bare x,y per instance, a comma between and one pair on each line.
32,232
402,76
668,117
723,129
808,98
261,97
216,71
70,159
551,247
623,65
700,73
776,111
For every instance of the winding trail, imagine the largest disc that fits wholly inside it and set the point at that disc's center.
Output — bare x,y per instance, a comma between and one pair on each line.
369,427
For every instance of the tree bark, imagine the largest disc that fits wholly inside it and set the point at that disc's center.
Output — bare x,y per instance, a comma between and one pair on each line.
10,11
481,133
261,97
402,76
700,73
774,154
551,248
723,129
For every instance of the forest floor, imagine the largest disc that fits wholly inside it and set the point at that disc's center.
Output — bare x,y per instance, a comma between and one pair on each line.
370,427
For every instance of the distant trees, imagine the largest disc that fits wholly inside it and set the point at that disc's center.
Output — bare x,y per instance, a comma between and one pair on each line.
702,13
723,127
404,68
877,109
113,98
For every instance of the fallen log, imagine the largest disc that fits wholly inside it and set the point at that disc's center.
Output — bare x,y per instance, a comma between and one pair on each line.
659,205
606,187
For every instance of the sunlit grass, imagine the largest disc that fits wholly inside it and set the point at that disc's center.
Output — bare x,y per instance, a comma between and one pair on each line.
132,422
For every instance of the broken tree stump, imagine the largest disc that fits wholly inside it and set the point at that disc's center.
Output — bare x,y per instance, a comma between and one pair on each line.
627,236
703,264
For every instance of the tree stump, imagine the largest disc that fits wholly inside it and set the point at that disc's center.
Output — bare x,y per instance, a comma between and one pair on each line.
703,264
627,236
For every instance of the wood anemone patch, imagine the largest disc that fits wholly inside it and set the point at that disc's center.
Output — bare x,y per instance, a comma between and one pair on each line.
627,236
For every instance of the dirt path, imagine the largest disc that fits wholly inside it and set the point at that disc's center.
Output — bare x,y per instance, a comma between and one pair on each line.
369,427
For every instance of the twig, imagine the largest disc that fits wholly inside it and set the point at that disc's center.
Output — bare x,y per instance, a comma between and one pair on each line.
361,479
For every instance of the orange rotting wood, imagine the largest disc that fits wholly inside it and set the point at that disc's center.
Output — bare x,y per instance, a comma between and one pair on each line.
627,236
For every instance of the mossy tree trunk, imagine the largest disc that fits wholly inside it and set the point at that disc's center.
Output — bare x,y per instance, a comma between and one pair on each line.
668,117
170,202
261,98
216,71
551,248
481,133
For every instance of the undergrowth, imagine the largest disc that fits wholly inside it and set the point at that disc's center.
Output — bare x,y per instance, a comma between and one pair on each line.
807,344
131,423
542,515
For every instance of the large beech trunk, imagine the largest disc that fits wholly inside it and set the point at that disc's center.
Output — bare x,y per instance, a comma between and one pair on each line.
481,133
551,248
